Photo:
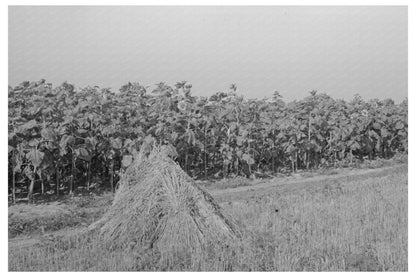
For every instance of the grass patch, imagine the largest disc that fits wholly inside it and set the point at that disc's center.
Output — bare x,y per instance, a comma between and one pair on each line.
229,183
358,225
77,211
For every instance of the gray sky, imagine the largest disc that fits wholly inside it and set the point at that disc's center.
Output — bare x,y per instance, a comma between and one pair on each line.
337,50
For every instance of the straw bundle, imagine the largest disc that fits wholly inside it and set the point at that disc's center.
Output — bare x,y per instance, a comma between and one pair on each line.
158,206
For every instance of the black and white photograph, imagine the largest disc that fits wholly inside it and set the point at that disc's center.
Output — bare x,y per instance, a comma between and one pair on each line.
195,138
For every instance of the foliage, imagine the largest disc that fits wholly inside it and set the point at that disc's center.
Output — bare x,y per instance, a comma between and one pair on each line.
63,138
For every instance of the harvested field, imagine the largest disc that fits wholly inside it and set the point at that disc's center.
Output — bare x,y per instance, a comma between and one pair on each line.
355,222
208,138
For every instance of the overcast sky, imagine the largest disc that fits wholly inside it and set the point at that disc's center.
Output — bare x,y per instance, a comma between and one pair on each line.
337,50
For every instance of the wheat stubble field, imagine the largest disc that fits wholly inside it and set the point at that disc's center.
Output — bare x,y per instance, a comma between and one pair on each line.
222,138
351,221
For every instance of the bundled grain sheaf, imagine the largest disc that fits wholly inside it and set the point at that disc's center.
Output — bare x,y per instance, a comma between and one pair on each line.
159,206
